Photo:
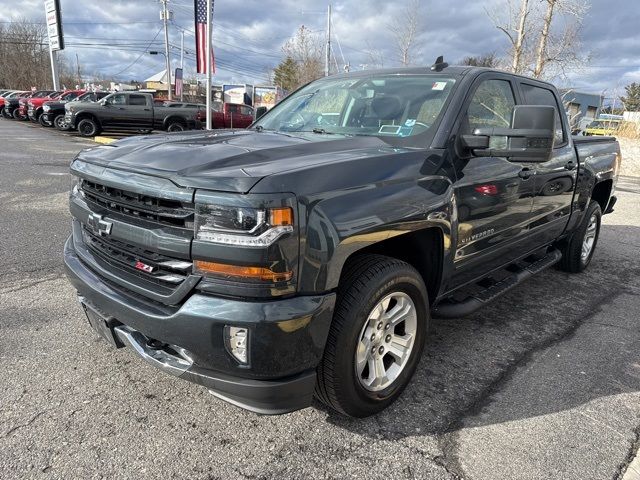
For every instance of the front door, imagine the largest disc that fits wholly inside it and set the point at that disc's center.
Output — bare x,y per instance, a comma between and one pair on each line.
555,179
494,196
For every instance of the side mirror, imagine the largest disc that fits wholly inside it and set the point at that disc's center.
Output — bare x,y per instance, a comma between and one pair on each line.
260,111
530,138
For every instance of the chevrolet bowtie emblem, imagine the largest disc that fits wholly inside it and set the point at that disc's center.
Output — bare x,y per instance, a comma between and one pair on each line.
98,225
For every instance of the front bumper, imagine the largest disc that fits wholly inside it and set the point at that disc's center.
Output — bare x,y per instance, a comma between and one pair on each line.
287,338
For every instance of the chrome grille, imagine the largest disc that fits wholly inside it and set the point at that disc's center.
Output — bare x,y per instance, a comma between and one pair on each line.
152,267
135,205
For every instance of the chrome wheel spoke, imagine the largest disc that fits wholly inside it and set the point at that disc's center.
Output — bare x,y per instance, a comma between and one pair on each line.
381,353
400,347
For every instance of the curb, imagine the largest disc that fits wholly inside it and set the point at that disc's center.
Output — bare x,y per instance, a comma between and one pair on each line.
104,140
633,470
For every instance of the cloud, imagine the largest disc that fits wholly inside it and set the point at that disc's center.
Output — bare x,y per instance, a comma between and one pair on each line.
114,37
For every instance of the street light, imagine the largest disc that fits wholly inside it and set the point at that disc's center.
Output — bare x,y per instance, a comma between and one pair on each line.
156,52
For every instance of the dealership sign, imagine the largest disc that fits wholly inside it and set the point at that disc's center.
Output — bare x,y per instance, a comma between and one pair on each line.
54,24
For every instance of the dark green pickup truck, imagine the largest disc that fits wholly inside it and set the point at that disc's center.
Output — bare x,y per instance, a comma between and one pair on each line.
306,255
128,110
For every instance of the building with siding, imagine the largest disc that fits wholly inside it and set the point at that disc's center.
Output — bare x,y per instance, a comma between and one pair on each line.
581,107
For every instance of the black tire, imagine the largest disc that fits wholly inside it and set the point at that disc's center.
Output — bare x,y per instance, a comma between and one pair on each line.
60,124
176,126
5,114
43,122
87,127
572,259
366,281
17,116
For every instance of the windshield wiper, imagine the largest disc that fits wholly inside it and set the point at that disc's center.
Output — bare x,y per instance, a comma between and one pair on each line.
319,130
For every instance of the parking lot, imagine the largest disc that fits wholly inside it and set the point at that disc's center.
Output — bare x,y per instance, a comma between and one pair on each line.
544,383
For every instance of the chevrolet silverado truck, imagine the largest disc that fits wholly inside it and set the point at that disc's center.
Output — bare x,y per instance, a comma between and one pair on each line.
305,256
129,111
36,105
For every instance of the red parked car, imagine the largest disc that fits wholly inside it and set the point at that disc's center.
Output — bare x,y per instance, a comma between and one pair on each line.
228,115
34,109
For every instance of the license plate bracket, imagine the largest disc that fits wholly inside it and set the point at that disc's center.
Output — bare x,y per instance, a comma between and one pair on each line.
103,325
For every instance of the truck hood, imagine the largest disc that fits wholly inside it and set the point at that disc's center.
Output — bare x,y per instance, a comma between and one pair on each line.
227,160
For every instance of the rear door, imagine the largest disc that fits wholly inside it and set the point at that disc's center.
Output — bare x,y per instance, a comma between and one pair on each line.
555,179
139,113
493,195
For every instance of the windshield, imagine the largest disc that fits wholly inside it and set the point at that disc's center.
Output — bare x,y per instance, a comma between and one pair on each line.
383,106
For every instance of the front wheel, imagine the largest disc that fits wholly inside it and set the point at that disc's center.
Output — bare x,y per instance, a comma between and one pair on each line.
88,127
60,123
578,251
376,337
42,119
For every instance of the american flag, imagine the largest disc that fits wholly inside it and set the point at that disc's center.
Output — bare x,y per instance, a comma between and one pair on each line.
200,8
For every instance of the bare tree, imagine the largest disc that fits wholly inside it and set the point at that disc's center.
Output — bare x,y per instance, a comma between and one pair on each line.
544,36
404,28
516,28
486,60
561,51
305,48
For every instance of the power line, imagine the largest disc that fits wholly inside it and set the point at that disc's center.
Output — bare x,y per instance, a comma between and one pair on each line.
143,53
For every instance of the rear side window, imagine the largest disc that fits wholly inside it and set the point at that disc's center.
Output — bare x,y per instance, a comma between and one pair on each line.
491,106
138,100
246,111
543,96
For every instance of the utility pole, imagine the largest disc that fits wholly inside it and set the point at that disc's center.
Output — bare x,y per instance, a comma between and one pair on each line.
208,54
78,70
327,60
182,64
164,14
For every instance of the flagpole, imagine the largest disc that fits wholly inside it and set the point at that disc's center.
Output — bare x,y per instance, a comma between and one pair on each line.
208,57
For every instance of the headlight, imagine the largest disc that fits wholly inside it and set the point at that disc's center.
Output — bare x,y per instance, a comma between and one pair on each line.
76,185
46,108
241,226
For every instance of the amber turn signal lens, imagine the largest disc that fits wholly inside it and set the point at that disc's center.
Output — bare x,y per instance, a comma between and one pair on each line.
279,217
252,273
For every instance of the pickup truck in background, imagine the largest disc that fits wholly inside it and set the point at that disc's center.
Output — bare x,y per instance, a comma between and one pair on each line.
7,95
12,103
127,111
34,105
53,112
20,113
228,115
305,256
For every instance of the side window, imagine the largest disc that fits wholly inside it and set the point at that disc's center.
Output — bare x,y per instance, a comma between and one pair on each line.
491,106
118,100
246,111
543,96
138,100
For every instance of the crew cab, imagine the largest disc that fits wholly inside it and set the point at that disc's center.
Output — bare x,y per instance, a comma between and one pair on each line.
228,115
305,256
127,110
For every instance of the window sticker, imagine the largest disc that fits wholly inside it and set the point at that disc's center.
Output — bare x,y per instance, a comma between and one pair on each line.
439,86
410,122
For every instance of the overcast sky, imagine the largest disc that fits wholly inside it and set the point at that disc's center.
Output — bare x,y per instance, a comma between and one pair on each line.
249,34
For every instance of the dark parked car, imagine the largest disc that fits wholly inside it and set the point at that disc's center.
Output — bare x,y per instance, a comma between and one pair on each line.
306,255
53,112
11,103
130,110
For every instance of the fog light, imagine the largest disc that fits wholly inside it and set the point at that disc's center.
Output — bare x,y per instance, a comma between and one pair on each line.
237,341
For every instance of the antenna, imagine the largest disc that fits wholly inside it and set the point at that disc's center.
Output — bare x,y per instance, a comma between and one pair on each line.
439,64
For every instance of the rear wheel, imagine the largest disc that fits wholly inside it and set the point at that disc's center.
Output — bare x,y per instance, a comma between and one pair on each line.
17,116
376,338
87,127
176,126
578,251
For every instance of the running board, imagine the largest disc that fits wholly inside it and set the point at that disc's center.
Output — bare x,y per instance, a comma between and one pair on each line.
457,309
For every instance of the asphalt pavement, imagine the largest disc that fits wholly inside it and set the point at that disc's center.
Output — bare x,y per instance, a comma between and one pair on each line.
543,383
